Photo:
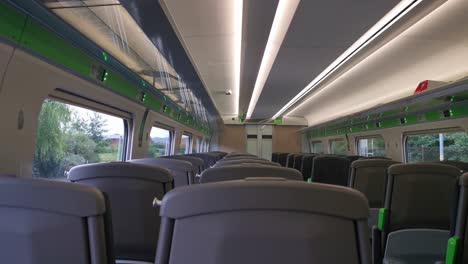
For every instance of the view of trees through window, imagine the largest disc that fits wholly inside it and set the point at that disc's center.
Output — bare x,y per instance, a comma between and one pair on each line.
159,143
371,147
437,146
68,135
338,147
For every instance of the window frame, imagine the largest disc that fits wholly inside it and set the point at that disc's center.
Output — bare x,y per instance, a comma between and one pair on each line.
190,136
311,145
425,132
97,107
375,136
171,135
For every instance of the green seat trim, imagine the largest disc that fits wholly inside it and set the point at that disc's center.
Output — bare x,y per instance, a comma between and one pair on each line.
452,246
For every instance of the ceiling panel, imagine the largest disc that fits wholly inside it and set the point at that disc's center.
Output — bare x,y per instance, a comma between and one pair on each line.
256,29
435,48
319,33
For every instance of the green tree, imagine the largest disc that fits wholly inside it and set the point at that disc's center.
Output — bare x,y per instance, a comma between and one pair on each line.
95,129
50,144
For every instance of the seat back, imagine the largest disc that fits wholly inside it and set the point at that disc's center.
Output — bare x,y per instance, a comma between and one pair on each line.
306,168
236,154
48,222
198,163
183,171
283,158
223,162
354,158
298,162
209,159
457,245
131,189
290,160
417,196
330,170
368,177
463,166
237,172
263,221
275,156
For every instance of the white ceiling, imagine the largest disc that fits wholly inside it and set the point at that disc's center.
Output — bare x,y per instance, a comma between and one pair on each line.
435,48
208,32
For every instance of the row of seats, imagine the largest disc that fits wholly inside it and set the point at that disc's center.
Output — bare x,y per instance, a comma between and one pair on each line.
105,213
248,211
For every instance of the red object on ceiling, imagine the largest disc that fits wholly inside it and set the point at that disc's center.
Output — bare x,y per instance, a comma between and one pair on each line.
422,86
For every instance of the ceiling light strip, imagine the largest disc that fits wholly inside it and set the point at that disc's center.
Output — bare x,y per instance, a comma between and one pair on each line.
238,17
283,17
386,22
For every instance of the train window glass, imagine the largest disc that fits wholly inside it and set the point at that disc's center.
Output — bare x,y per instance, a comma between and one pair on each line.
185,144
160,142
68,135
371,147
338,146
316,147
437,146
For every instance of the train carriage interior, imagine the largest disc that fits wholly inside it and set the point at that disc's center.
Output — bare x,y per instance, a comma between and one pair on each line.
233,131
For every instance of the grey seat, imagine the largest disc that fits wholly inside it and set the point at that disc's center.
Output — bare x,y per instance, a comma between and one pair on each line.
290,160
222,163
418,200
198,163
225,164
298,162
330,170
237,172
275,156
306,168
463,166
131,189
242,157
183,171
457,245
368,177
52,222
283,158
235,154
208,158
267,220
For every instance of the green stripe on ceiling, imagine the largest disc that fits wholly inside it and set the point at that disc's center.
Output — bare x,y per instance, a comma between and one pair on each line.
433,116
11,23
42,41
29,34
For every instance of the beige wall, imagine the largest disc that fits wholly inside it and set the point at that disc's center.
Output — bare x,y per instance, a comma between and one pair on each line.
232,139
287,139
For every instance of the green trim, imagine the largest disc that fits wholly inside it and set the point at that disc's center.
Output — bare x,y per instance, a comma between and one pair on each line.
383,214
309,180
11,23
452,248
31,35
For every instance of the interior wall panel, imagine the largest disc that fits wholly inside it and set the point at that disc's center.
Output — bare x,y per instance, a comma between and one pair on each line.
232,139
287,139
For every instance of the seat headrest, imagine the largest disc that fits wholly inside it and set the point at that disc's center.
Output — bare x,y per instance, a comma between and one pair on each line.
119,169
264,194
171,164
53,196
235,172
366,163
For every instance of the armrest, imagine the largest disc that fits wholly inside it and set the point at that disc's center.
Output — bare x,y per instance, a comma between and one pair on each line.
376,245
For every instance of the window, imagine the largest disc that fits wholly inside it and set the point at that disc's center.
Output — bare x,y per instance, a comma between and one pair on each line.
437,146
338,147
316,147
371,147
185,144
159,143
68,135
